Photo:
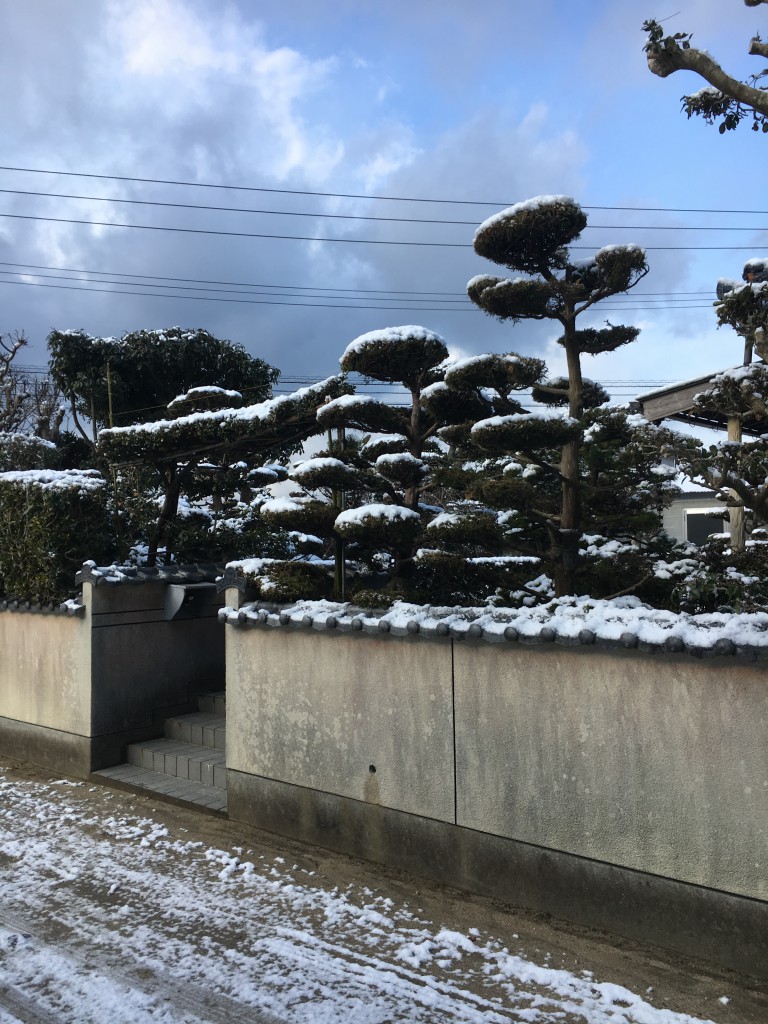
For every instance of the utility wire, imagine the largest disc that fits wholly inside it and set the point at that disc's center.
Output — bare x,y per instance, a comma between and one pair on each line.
291,287
351,216
631,300
354,241
234,291
358,380
348,195
249,302
308,305
237,284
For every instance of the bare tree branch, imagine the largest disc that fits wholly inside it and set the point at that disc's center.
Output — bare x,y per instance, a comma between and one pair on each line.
727,98
666,57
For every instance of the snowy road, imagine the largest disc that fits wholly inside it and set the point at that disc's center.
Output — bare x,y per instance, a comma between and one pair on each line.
108,913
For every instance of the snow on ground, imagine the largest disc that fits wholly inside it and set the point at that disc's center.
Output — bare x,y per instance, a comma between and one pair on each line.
109,915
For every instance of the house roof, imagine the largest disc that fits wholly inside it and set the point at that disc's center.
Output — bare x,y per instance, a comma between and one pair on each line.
676,402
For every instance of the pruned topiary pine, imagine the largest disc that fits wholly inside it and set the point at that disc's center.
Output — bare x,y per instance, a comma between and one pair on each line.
744,307
117,381
738,469
394,466
177,447
507,463
533,237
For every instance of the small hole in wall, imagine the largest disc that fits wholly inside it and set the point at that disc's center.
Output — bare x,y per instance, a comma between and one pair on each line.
372,769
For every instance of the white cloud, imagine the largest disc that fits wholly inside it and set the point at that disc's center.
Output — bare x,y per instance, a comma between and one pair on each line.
178,63
396,153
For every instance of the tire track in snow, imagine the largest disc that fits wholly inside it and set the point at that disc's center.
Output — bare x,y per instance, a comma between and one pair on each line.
190,998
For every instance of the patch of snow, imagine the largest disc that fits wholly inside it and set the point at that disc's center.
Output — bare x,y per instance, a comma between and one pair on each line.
262,411
390,336
376,511
55,479
108,914
536,203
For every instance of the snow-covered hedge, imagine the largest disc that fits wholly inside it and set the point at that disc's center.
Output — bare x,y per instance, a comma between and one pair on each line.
24,451
51,521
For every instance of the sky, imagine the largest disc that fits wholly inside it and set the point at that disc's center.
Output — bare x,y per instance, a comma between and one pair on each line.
483,105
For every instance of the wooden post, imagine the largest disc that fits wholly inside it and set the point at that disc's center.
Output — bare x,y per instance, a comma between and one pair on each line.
736,512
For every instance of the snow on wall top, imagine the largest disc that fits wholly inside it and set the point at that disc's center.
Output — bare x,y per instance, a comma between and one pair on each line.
579,621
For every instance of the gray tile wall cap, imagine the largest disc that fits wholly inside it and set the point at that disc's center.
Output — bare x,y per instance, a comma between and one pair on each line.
112,575
375,623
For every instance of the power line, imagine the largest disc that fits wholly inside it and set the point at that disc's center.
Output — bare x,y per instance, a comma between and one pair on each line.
234,291
353,241
352,216
304,380
235,234
249,302
288,382
238,284
291,287
630,303
311,305
351,195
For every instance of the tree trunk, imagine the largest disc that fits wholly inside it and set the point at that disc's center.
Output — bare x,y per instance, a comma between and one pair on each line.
570,522
566,555
417,444
167,514
736,522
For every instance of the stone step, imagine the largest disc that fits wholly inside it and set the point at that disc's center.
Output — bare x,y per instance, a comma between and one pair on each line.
166,787
188,765
202,728
181,760
213,703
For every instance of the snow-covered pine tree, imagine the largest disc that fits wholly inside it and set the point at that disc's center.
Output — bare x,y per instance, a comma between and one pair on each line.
738,468
472,551
394,465
533,238
221,438
515,493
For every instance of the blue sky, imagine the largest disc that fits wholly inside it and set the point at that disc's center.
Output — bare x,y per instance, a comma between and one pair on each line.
495,103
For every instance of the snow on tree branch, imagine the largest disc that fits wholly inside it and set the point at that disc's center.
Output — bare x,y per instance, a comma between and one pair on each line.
725,97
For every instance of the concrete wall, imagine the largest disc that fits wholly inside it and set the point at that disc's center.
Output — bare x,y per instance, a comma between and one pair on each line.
45,693
660,765
75,690
322,711
624,790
